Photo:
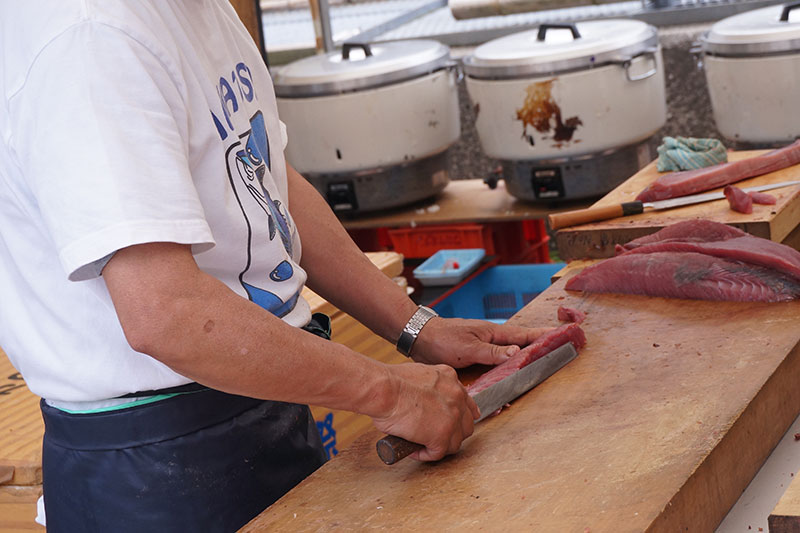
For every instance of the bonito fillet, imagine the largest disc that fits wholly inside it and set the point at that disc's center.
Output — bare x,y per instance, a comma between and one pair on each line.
686,182
539,348
731,244
697,230
686,275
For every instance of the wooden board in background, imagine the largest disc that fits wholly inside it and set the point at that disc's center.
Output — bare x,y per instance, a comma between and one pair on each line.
21,429
18,508
462,201
658,425
774,222
785,518
21,433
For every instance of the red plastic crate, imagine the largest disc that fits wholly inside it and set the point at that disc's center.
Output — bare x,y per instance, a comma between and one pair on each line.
510,242
415,243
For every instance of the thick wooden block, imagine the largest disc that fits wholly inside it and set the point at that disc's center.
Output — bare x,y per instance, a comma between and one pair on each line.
658,425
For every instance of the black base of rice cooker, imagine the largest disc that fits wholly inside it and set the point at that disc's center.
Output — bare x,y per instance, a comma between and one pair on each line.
384,188
574,178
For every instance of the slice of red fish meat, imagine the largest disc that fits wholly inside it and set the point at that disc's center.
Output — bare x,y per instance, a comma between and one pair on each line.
568,314
696,230
738,199
686,275
732,244
762,198
539,348
686,182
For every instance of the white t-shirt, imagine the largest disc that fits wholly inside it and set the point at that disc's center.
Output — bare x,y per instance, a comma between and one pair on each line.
126,122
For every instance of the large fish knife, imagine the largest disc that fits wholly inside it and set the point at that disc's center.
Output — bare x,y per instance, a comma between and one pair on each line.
595,214
391,449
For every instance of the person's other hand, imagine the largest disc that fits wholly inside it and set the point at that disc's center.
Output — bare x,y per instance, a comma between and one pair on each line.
431,407
462,342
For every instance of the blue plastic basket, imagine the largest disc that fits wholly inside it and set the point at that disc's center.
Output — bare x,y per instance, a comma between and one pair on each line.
448,267
498,292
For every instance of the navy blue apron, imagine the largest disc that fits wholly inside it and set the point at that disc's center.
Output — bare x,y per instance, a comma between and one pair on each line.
203,460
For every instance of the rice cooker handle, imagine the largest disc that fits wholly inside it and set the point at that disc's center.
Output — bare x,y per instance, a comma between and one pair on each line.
346,47
786,9
544,27
649,53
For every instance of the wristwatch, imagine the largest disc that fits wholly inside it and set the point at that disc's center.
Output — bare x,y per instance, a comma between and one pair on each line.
412,329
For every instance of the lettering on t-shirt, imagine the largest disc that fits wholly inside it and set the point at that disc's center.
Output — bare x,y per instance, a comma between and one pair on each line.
230,92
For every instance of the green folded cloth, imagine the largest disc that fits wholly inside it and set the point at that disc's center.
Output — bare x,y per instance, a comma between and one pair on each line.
686,153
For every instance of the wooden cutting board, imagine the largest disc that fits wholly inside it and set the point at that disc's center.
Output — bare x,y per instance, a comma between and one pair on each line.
775,222
658,425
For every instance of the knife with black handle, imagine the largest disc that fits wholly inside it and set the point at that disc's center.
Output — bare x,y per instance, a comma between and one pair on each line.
392,449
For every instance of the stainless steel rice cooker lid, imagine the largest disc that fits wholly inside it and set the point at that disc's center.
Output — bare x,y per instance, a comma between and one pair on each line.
360,66
765,31
552,48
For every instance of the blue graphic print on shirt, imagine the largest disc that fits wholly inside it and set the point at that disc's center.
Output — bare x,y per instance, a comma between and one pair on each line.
248,161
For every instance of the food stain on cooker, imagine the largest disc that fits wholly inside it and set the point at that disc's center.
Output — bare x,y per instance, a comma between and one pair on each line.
539,111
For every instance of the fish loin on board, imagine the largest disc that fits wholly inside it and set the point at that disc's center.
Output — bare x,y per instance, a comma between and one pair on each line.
539,348
686,275
697,230
698,259
685,182
747,249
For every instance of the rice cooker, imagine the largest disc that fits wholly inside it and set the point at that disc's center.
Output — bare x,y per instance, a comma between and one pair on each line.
752,66
369,126
568,108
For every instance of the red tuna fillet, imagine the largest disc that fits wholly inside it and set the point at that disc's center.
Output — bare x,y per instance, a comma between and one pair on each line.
698,230
738,199
539,348
686,182
747,249
568,314
686,275
762,198
730,243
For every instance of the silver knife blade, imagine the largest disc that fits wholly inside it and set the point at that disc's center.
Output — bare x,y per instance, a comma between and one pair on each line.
498,394
707,197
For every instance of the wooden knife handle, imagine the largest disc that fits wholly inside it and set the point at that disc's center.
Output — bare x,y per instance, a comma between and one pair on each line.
391,449
593,214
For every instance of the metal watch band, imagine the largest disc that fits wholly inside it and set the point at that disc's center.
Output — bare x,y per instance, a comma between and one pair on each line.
412,329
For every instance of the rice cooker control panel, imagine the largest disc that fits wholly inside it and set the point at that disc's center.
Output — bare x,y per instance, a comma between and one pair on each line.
341,196
547,183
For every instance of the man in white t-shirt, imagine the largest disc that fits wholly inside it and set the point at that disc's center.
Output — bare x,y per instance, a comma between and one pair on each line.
151,271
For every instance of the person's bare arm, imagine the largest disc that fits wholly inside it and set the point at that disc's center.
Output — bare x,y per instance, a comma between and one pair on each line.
171,310
339,272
